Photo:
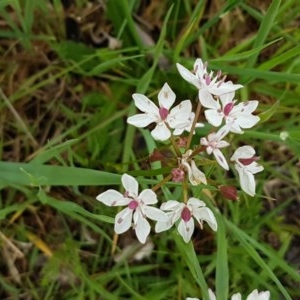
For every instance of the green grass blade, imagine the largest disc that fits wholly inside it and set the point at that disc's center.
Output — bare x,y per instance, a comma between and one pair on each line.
264,29
188,254
222,272
248,244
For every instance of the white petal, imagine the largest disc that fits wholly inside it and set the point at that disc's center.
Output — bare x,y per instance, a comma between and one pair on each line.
123,220
243,152
255,295
179,116
247,181
199,67
145,104
233,126
204,141
171,205
254,168
237,296
246,107
224,88
161,132
195,175
148,197
211,295
227,98
166,97
195,203
222,132
155,214
186,229
163,226
213,117
221,159
208,101
222,144
247,121
112,198
205,214
130,184
142,120
141,226
188,76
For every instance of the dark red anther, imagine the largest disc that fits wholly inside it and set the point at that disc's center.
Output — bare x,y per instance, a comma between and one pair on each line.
163,112
133,204
248,161
186,214
228,108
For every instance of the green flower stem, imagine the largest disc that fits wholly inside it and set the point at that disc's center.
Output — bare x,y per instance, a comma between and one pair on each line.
175,146
161,183
198,109
185,190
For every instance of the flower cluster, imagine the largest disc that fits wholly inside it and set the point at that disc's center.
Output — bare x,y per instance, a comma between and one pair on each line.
175,127
138,209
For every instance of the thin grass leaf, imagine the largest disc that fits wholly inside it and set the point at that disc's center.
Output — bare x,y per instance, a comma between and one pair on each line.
47,154
280,59
186,32
187,252
248,244
243,55
222,271
253,74
17,173
268,113
264,29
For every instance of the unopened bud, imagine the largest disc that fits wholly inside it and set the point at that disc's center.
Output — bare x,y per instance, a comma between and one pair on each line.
177,175
181,142
229,192
156,156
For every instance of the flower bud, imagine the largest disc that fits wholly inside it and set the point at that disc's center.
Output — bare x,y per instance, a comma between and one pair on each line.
177,175
156,156
229,192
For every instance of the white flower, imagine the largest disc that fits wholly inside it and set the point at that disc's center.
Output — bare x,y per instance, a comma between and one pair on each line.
176,118
213,143
236,117
195,175
186,213
204,80
179,131
246,166
137,208
255,295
